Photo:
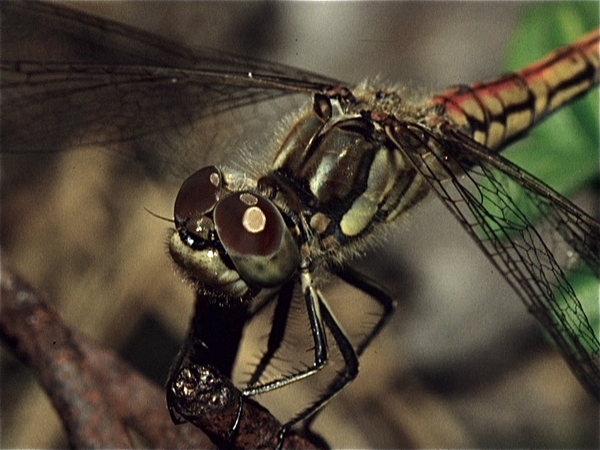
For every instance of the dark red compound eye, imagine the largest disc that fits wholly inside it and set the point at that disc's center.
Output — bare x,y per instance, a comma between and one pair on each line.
198,194
256,238
248,225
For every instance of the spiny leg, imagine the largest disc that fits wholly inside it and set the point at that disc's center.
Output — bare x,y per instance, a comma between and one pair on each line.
388,305
277,333
370,287
313,305
341,379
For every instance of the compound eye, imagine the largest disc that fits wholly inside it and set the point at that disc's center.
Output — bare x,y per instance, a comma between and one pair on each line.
198,194
256,238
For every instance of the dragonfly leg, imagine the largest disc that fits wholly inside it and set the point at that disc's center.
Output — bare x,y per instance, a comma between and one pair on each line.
277,333
313,305
388,305
320,314
341,379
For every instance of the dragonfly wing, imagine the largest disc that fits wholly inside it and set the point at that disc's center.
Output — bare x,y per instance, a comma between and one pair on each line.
578,229
530,233
99,82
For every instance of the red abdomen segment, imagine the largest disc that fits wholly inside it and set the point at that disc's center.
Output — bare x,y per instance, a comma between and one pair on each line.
494,113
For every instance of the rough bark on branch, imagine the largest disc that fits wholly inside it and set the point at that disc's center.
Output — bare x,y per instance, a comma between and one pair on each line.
101,399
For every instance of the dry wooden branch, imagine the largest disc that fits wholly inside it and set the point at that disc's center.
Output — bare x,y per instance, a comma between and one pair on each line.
100,398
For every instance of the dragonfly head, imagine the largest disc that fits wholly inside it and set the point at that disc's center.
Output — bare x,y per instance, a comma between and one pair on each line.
230,242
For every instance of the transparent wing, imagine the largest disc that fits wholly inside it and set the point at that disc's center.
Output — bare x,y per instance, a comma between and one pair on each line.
528,231
98,82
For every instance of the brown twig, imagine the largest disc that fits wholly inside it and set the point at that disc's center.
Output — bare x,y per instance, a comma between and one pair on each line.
38,337
210,401
100,398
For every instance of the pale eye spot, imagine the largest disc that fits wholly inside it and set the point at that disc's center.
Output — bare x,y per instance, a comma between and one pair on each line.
248,199
254,220
215,179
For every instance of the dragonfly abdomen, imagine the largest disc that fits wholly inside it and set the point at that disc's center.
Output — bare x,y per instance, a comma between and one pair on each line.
494,113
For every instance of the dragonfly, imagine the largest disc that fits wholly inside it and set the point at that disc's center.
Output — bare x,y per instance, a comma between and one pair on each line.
449,114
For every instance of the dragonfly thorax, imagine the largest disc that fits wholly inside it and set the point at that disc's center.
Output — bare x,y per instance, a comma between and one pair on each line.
338,171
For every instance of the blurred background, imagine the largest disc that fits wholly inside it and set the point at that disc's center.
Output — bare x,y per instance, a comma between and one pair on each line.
461,364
